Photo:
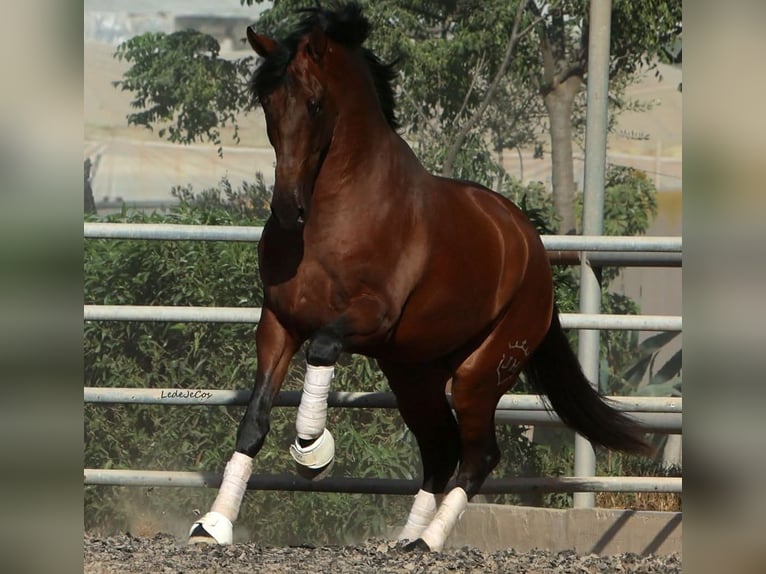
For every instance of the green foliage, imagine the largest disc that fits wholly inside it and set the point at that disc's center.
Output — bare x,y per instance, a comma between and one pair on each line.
642,31
223,205
523,458
127,354
179,81
474,162
630,201
643,377
537,203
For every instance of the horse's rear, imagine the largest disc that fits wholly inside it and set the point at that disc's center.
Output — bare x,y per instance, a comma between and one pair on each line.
481,304
481,314
485,264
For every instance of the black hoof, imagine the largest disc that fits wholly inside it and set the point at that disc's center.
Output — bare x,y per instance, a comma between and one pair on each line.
201,536
314,473
418,545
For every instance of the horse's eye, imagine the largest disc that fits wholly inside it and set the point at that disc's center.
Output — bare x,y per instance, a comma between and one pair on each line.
314,107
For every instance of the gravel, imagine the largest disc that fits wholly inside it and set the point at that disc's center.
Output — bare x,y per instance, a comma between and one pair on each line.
163,553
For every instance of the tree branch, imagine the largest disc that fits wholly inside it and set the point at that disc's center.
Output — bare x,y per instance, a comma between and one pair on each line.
428,122
462,134
549,64
547,49
477,72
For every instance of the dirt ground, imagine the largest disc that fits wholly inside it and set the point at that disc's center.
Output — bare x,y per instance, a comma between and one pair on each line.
164,554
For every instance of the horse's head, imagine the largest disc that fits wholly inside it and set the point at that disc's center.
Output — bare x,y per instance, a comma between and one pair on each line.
300,117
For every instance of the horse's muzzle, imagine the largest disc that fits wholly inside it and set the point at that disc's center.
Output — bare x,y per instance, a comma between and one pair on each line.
289,222
288,210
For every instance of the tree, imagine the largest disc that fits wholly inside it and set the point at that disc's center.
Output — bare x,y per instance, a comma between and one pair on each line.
180,82
453,86
475,78
558,61
497,68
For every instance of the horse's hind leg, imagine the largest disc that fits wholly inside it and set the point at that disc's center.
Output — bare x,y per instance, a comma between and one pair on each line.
477,386
422,402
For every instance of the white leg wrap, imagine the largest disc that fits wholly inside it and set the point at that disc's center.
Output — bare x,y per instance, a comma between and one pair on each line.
225,509
312,412
449,513
316,455
421,514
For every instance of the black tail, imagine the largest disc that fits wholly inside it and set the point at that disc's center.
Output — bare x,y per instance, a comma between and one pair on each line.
555,372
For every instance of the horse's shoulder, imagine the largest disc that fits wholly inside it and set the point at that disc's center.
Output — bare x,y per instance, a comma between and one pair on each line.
472,195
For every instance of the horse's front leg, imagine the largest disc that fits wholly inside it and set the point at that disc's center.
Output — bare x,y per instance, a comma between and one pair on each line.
314,447
275,348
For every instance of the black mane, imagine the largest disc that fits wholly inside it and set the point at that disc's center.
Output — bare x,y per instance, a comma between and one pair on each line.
346,25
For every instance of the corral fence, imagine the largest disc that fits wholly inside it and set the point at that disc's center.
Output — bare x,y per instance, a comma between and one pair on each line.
656,414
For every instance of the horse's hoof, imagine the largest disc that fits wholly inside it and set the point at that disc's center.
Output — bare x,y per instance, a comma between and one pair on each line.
315,459
314,473
418,545
213,528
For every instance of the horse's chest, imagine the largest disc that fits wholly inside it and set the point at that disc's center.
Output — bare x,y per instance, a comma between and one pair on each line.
307,301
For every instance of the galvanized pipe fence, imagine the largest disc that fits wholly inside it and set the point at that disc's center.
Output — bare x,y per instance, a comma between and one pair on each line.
656,414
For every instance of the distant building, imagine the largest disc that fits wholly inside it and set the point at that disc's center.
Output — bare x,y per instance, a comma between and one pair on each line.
228,30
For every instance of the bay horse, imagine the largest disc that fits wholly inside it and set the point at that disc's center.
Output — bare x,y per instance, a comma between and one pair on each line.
366,252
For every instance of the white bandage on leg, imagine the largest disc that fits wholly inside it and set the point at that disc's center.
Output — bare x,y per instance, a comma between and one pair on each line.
421,514
311,420
450,511
233,486
225,509
312,412
316,455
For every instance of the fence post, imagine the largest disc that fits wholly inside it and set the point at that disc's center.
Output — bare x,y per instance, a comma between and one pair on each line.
593,214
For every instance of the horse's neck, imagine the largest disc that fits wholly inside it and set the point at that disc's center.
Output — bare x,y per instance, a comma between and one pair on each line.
368,167
366,185
368,158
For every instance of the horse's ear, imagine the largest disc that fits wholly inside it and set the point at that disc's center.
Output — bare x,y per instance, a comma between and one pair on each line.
263,45
317,43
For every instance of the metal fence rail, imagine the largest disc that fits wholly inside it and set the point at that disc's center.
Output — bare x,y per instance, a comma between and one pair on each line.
113,477
655,414
177,314
169,231
360,400
562,250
